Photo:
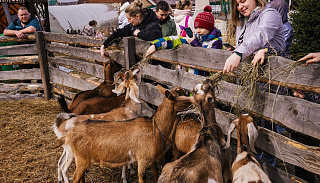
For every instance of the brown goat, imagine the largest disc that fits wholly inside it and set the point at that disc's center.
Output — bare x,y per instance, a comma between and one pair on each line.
245,167
103,90
115,144
206,161
128,110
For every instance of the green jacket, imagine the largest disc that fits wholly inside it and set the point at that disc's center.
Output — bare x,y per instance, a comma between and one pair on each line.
168,27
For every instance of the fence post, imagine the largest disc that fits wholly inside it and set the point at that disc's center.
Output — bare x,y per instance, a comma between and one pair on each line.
43,60
129,51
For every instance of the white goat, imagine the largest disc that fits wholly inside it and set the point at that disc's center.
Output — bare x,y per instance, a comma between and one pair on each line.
245,167
128,110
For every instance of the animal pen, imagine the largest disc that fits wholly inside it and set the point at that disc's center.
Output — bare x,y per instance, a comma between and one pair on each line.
78,54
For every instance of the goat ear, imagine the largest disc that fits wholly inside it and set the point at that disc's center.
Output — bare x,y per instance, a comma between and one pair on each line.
169,95
231,128
134,92
161,89
101,63
253,135
119,89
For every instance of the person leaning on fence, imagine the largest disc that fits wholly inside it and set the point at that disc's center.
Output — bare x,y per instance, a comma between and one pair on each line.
206,36
183,17
89,30
260,31
168,27
282,7
23,25
123,21
144,24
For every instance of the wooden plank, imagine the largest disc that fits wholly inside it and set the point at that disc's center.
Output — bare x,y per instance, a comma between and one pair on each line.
19,49
292,152
6,97
20,87
305,78
74,39
43,60
63,91
8,39
294,113
63,78
19,60
85,53
129,52
24,74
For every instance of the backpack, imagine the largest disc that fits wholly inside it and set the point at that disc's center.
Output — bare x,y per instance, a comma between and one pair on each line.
183,33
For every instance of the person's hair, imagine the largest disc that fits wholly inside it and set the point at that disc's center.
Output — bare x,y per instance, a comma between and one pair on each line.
23,8
162,5
235,15
182,3
136,8
92,22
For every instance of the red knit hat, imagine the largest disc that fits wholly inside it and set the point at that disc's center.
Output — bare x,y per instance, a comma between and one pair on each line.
205,19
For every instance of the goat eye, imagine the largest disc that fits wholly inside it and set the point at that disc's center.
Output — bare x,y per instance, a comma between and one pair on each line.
210,100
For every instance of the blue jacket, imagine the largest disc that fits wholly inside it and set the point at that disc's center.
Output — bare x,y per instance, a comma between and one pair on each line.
16,24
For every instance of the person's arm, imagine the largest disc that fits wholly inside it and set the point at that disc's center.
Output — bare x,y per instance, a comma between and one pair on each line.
150,34
19,33
311,58
165,43
125,31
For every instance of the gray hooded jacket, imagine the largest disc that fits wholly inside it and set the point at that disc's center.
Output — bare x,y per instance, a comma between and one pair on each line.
263,27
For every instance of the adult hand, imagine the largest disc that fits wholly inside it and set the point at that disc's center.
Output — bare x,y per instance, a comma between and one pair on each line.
313,58
189,40
135,33
103,52
232,63
20,35
151,50
260,55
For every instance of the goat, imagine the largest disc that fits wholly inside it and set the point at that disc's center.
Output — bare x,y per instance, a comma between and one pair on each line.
129,110
115,144
103,90
206,160
245,167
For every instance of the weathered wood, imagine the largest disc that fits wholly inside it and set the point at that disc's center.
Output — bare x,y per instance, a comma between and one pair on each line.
129,52
294,113
292,152
17,87
20,60
24,74
22,49
43,60
8,39
63,78
305,78
63,91
85,53
74,39
6,97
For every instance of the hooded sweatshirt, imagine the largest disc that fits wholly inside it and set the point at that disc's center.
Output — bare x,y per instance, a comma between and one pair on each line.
149,29
180,19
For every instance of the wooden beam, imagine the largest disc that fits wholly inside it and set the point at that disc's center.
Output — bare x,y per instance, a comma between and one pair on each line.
24,74
8,39
63,91
24,49
6,97
63,78
19,60
20,87
129,52
43,60
74,39
294,113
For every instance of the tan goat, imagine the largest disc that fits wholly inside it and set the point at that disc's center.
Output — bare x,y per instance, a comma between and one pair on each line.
245,167
129,110
141,140
206,161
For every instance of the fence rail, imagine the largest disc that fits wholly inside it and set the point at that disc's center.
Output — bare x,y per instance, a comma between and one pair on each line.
297,115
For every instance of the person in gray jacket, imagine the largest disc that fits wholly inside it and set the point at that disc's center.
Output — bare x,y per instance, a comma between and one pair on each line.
260,30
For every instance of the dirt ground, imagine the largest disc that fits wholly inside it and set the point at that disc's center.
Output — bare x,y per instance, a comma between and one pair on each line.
27,145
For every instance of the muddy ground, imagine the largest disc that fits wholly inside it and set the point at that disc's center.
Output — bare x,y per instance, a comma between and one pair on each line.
27,142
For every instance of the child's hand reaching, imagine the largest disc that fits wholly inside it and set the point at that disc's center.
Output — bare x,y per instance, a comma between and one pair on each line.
260,55
151,50
189,40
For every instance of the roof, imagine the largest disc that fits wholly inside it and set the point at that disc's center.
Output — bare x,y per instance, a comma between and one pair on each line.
79,15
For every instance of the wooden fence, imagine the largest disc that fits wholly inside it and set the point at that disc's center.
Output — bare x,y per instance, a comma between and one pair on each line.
297,115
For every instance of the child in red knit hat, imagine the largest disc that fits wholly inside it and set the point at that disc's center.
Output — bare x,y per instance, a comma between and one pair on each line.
206,36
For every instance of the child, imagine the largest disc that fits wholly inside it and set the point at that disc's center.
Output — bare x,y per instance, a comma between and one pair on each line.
207,36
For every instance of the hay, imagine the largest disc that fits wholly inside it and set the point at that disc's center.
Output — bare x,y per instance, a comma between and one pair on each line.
27,141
